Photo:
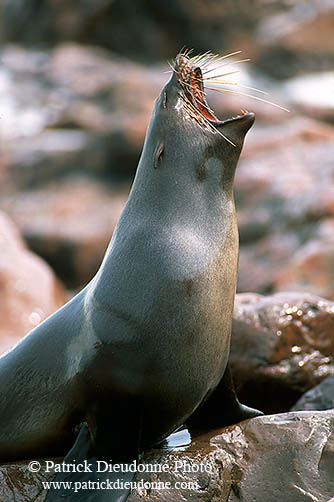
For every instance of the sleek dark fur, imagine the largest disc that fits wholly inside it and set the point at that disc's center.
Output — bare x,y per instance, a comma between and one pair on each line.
145,345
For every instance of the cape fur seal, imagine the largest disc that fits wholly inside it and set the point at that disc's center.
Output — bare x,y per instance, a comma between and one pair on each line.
144,347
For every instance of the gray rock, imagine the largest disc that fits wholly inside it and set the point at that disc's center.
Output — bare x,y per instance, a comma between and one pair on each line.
320,397
297,38
72,109
312,94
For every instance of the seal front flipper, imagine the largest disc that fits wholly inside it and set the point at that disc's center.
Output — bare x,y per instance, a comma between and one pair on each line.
221,408
90,483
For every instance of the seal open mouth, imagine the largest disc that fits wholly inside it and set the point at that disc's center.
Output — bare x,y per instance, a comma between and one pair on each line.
190,76
194,72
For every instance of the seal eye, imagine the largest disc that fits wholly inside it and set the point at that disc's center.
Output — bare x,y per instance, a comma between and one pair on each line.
158,156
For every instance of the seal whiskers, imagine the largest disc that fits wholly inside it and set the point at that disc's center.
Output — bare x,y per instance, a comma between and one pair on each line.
207,64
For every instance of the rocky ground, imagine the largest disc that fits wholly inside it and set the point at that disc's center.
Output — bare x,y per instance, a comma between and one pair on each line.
75,101
276,457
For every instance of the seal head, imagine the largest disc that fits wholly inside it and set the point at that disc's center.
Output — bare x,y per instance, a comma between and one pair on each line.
184,128
190,89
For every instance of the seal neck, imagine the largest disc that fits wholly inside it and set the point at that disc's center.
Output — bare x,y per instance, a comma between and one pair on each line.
185,198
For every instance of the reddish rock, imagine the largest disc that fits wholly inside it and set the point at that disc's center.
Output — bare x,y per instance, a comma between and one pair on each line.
282,345
280,262
283,197
292,184
69,224
28,288
310,269
289,454
262,261
268,137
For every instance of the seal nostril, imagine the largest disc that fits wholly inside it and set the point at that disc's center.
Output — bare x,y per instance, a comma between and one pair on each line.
158,156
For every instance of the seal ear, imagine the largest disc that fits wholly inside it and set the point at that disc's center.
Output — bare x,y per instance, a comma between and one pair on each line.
236,129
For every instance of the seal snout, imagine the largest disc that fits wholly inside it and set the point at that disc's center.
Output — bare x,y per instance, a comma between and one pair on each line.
191,74
185,70
190,79
181,61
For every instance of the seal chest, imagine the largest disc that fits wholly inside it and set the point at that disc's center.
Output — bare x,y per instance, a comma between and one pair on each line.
169,277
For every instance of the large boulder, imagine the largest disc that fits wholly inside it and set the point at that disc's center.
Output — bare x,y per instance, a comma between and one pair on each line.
282,346
69,223
284,207
29,290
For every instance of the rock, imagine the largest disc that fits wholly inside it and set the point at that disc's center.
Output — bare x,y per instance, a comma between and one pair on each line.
69,223
300,194
72,109
159,30
266,137
311,94
281,262
290,454
282,346
283,197
320,397
28,288
310,269
262,261
50,155
296,40
305,28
